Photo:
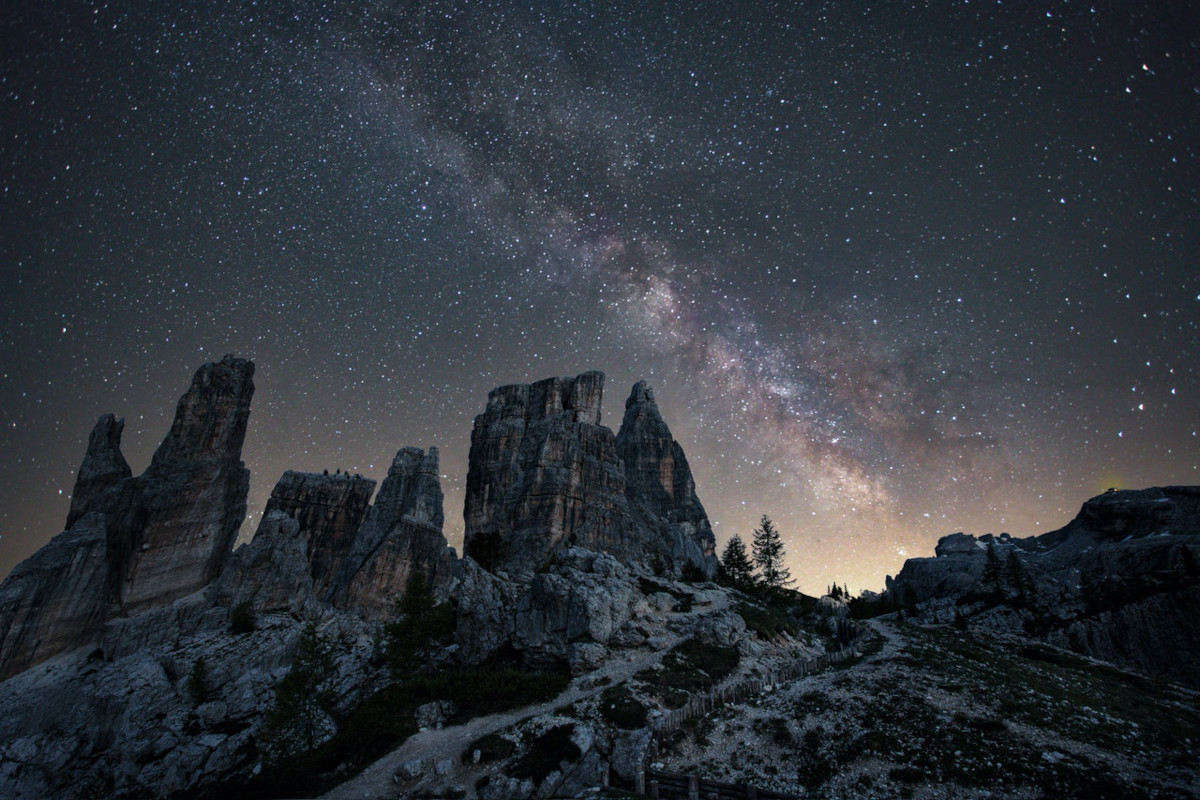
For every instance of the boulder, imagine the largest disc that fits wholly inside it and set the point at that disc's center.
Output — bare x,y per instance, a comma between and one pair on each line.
485,611
586,597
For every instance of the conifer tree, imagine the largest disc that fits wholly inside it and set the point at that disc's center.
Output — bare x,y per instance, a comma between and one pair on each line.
993,570
423,627
1019,579
300,719
768,556
737,569
198,681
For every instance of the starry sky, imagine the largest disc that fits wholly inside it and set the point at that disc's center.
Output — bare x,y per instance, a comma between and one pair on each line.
894,270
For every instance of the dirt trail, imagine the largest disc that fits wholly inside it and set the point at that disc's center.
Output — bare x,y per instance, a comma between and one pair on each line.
432,746
893,642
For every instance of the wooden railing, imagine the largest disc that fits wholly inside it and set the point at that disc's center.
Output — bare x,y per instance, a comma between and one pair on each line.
661,785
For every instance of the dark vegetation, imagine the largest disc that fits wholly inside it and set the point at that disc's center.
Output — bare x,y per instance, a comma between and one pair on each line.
543,755
492,747
386,719
692,667
243,618
861,608
198,682
619,707
309,747
424,627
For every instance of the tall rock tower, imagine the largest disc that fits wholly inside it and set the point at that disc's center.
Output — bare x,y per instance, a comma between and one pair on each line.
545,474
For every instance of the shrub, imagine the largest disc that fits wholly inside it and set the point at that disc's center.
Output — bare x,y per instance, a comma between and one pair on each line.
767,622
492,747
621,708
243,618
198,682
543,755
300,719
690,667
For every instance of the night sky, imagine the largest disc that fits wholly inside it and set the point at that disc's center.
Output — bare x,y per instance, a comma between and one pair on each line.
892,272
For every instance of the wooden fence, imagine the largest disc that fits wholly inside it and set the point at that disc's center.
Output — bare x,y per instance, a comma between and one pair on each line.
660,785
668,785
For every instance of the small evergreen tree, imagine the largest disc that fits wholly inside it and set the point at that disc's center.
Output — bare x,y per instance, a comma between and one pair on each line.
1019,579
768,556
424,626
300,720
736,568
993,570
198,681
243,618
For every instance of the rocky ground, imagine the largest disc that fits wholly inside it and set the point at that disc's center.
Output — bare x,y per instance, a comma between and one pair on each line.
602,718
940,713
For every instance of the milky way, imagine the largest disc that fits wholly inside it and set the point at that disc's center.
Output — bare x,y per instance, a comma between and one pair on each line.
892,272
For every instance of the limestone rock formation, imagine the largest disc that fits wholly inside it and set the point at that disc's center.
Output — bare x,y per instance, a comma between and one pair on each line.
329,510
401,536
193,494
584,599
136,543
103,466
544,474
543,471
486,605
270,572
660,486
1120,582
56,599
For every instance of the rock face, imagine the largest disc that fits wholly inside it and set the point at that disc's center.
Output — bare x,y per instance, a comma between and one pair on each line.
193,494
103,466
583,600
401,536
328,510
486,605
542,471
271,572
1120,582
131,724
55,599
659,484
135,543
544,474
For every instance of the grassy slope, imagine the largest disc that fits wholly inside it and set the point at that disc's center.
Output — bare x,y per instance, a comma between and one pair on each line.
947,713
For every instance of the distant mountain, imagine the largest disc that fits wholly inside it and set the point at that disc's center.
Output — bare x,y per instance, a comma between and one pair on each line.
1119,582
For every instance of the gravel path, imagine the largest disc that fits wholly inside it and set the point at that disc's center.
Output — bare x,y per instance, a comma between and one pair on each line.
432,746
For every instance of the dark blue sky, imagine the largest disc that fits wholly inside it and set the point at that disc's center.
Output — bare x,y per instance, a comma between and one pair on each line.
893,272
